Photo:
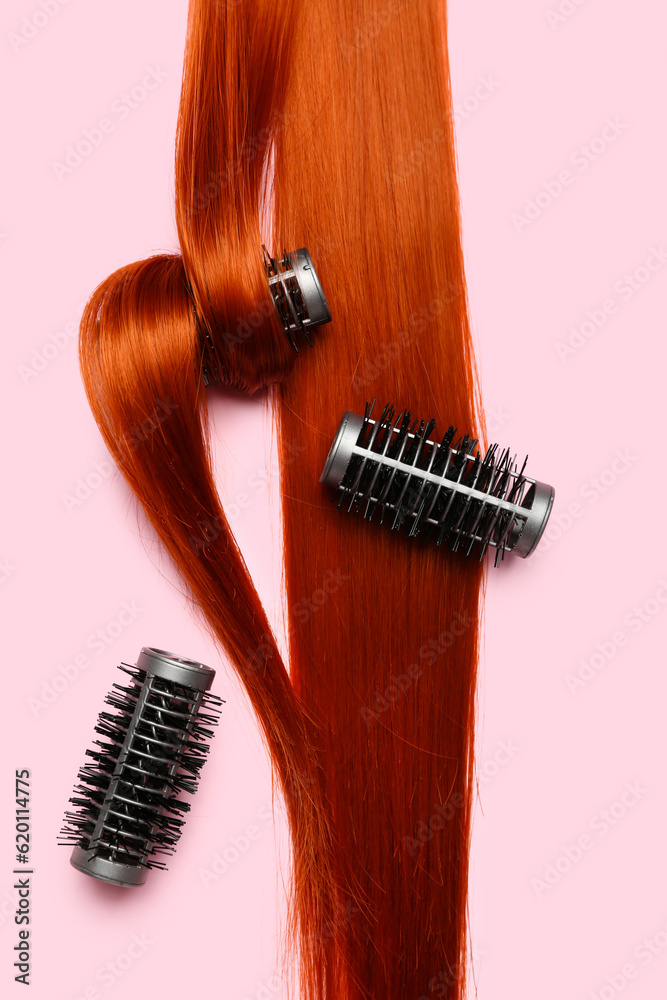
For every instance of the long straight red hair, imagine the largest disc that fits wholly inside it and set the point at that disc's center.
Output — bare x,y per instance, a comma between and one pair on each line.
388,665
371,733
141,358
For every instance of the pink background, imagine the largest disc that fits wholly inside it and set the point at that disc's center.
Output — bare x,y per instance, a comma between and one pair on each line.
568,863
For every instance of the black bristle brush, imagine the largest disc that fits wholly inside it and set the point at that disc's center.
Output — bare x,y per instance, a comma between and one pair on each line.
443,489
128,812
298,299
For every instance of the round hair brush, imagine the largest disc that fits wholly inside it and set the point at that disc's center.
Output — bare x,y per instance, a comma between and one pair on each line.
297,297
297,293
128,811
446,491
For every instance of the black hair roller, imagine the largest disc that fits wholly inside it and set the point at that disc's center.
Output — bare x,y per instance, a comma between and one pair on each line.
445,490
298,299
128,807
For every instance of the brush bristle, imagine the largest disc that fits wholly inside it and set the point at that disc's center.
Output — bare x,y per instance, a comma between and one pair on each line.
287,297
153,748
443,490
